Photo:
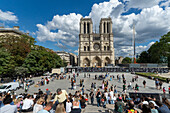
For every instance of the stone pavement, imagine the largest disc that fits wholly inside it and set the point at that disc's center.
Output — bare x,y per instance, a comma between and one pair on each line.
65,84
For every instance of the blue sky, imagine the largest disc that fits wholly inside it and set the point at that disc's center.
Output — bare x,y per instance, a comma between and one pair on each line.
55,24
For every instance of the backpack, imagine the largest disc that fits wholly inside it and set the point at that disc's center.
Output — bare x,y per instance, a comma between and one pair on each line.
120,109
132,111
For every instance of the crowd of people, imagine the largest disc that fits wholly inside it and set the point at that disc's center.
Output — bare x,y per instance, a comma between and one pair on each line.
119,69
43,102
104,93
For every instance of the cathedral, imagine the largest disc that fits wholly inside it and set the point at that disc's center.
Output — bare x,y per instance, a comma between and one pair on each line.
96,49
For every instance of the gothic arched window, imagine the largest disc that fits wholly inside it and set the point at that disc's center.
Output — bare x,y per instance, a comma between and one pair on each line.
84,48
104,48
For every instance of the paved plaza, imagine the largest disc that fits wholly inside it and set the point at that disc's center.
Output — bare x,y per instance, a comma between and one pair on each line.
66,84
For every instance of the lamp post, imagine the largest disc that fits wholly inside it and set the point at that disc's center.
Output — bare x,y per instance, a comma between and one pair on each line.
134,50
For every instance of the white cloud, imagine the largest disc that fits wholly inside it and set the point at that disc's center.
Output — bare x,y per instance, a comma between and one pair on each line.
8,16
128,50
141,3
166,3
67,26
151,23
76,51
60,45
103,10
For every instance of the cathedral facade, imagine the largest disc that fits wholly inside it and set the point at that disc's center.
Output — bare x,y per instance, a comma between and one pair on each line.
96,49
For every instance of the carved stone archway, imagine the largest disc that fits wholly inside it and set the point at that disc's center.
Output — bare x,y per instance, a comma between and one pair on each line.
86,62
107,61
96,61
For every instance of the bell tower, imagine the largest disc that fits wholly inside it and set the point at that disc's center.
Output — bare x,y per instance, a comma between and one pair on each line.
105,26
86,26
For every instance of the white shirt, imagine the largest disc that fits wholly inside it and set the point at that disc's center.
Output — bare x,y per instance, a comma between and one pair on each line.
145,102
35,96
27,103
114,98
8,109
106,94
130,83
68,107
111,95
37,107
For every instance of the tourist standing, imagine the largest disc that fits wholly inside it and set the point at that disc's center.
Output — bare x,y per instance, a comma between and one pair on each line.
130,85
136,87
144,83
110,78
124,88
72,84
115,89
68,106
160,85
80,83
124,81
95,77
98,97
123,76
164,90
92,96
103,84
111,96
82,89
95,86
156,83
107,83
119,78
106,95
92,85
47,92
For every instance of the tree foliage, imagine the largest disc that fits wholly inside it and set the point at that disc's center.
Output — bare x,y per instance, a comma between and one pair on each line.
7,62
21,71
19,55
42,60
157,51
127,60
18,46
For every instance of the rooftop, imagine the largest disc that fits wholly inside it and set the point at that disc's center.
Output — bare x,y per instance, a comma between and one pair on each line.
15,29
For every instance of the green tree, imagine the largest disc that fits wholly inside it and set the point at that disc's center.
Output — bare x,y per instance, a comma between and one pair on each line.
41,60
157,51
127,60
143,58
31,62
18,46
7,62
64,63
21,71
